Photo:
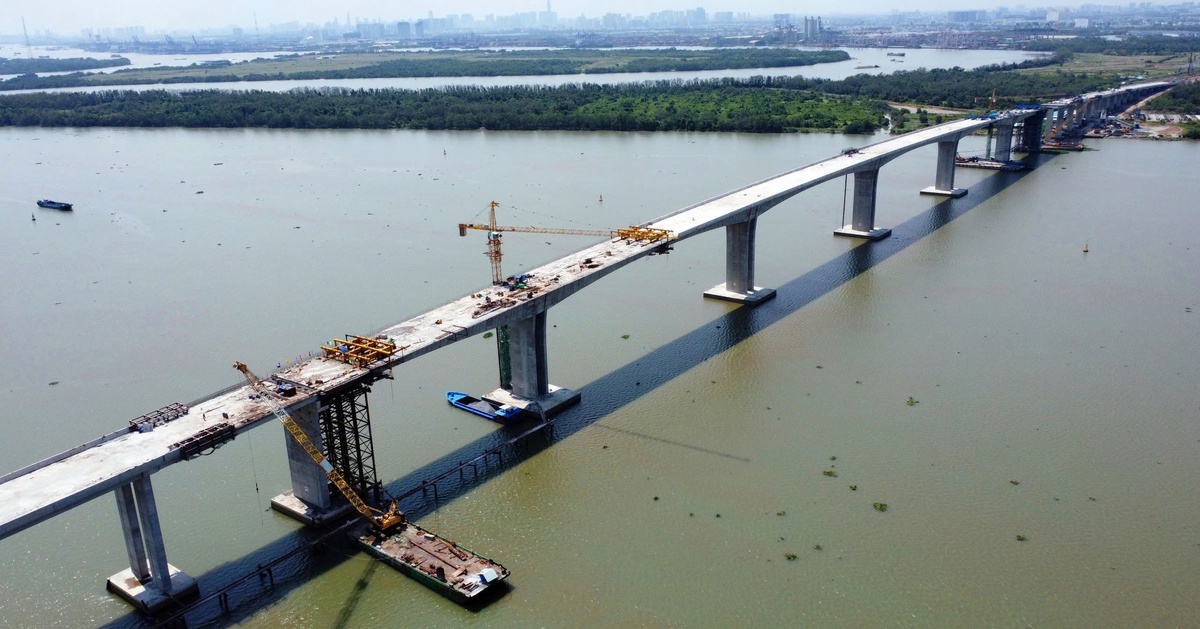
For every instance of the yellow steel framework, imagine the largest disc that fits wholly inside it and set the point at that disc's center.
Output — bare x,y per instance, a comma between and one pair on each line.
645,234
360,351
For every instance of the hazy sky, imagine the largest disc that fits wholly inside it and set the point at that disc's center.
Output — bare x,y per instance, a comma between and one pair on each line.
69,16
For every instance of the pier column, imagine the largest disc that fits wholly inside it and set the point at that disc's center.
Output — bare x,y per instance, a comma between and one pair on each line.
530,370
134,545
1031,132
862,222
150,582
1004,136
944,178
308,500
739,267
1071,121
527,345
1058,123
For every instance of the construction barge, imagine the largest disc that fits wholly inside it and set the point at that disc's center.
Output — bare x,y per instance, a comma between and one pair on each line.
457,573
987,163
453,571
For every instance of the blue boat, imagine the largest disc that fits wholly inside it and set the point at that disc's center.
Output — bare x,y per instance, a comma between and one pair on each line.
54,205
499,413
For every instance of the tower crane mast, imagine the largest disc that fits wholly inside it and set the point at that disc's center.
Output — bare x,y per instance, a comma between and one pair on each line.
382,521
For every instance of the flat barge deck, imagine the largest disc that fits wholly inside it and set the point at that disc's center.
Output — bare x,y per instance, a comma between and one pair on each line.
453,571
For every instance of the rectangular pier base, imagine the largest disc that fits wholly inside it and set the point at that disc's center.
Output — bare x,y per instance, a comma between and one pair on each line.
295,508
552,403
149,598
754,297
879,233
953,193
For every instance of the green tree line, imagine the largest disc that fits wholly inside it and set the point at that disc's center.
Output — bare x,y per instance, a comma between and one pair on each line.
1182,99
722,105
23,66
1126,46
956,87
757,104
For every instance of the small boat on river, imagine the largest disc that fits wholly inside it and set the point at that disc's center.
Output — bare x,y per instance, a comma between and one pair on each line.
54,205
499,413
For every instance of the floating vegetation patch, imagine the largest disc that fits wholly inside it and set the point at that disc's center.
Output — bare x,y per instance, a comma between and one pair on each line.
1022,538
854,488
830,473
790,556
881,506
912,401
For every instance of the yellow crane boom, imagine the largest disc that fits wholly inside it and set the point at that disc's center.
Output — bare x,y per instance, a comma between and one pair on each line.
636,233
462,227
381,520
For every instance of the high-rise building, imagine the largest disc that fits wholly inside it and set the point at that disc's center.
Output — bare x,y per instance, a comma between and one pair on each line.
812,28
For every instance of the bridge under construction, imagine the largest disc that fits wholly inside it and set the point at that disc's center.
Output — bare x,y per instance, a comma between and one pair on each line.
326,395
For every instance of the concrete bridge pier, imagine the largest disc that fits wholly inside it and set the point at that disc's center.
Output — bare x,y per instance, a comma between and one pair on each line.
944,179
1031,133
1059,122
1068,121
862,221
308,500
150,583
739,267
530,372
1004,137
1090,113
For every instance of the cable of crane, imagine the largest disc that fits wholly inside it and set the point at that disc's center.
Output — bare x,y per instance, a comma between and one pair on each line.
557,218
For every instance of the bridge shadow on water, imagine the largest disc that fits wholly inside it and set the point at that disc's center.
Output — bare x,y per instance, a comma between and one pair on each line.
601,397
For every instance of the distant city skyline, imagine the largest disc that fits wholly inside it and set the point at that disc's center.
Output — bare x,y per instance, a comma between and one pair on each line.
69,17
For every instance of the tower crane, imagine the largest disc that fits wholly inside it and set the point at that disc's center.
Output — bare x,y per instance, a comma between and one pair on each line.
494,232
28,48
381,521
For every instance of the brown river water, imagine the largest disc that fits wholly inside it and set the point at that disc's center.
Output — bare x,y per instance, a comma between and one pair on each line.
977,372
